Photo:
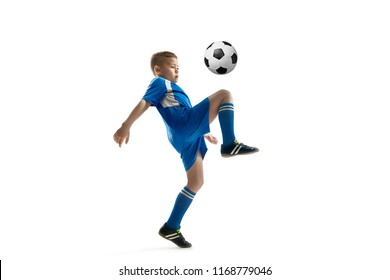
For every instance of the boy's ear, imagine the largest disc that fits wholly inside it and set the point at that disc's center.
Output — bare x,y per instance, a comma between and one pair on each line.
156,69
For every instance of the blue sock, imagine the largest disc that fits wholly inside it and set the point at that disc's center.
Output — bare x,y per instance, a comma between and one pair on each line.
226,121
183,201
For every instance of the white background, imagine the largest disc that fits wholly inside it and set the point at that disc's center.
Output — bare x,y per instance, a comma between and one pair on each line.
311,91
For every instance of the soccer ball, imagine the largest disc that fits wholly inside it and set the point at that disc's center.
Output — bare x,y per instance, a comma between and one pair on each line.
220,57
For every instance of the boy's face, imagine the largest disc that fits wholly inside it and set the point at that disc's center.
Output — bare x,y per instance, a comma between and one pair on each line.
168,70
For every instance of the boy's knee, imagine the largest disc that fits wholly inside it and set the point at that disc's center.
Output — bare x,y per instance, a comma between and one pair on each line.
199,182
224,92
195,185
227,96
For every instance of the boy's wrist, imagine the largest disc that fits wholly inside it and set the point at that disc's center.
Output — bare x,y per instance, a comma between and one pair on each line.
126,125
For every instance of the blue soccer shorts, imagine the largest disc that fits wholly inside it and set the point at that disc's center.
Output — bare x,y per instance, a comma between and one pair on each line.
187,133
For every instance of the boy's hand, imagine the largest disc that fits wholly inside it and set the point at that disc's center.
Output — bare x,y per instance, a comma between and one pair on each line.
211,138
122,134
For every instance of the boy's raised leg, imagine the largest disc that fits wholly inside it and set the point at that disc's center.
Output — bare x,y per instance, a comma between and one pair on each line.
221,105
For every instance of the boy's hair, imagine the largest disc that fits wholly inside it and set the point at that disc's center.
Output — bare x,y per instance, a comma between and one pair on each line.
159,57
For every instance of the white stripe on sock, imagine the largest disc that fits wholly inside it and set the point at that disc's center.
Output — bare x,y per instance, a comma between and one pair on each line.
187,194
226,107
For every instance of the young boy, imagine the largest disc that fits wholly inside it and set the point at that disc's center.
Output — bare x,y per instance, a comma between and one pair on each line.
187,127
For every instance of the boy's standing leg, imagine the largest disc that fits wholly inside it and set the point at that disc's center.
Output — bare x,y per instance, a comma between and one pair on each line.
171,229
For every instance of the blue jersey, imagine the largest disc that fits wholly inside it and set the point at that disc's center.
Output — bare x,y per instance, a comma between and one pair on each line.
185,124
165,95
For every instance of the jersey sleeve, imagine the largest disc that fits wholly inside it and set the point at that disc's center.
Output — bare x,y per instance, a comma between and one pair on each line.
155,91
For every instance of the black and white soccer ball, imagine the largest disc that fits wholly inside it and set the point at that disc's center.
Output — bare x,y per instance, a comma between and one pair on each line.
220,57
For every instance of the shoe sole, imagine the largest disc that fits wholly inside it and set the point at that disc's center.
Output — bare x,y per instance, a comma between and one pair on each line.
230,155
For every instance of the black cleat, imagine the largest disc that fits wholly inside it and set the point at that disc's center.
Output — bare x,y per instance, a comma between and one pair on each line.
237,148
175,236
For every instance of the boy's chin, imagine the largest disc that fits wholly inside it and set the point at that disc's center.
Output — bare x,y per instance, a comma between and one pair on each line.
174,80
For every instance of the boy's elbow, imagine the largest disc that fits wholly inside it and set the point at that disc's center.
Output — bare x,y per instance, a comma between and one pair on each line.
148,103
145,104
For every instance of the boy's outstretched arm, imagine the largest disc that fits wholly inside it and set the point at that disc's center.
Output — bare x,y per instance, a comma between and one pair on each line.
123,133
